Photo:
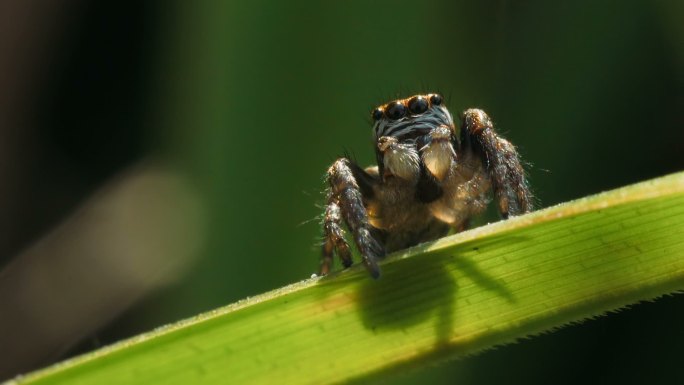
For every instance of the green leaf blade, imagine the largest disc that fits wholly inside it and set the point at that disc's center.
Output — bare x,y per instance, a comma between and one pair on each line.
456,296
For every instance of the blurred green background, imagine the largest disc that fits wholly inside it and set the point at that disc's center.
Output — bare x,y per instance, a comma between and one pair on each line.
252,101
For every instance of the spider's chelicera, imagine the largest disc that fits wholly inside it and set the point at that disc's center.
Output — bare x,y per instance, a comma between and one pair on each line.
431,176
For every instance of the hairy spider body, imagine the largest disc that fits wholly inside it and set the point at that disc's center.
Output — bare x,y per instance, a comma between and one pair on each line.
430,177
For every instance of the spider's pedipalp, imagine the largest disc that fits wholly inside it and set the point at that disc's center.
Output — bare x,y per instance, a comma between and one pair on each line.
438,153
399,159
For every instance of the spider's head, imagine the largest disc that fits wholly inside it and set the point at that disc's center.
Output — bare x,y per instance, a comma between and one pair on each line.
407,119
412,133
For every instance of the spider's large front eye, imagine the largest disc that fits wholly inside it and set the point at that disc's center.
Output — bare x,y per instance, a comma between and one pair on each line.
377,114
396,111
436,99
418,105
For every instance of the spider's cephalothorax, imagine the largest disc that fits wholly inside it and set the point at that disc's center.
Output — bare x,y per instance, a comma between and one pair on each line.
430,177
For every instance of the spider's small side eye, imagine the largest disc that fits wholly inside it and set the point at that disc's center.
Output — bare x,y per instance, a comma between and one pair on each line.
377,114
418,105
436,99
396,111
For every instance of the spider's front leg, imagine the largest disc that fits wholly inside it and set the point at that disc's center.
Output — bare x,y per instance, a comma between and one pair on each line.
501,159
347,186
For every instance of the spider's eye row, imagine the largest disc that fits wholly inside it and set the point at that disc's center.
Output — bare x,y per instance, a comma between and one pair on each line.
415,106
377,114
436,99
396,111
418,105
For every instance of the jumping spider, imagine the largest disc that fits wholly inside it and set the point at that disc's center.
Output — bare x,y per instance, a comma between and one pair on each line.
430,177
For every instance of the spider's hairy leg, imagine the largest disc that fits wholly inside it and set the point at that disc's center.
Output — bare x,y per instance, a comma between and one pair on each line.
348,184
501,159
333,235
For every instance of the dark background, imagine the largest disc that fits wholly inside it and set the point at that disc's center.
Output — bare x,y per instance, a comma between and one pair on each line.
251,102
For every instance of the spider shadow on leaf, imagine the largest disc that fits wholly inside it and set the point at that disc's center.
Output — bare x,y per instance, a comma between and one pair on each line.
392,303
